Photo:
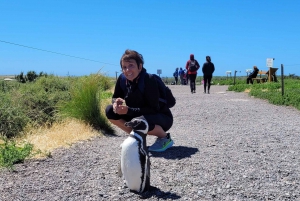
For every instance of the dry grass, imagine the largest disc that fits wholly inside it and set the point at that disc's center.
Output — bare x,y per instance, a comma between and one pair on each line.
62,134
247,90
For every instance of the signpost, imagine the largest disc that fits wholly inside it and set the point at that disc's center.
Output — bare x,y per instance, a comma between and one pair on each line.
270,62
248,71
159,72
228,73
270,65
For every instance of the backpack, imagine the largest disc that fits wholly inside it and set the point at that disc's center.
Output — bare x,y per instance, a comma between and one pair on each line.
181,72
192,66
165,93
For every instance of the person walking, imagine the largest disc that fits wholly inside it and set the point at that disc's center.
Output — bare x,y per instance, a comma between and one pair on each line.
134,103
208,69
175,75
192,67
181,74
253,74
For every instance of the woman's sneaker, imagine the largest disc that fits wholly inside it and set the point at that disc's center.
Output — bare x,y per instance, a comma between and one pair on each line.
161,144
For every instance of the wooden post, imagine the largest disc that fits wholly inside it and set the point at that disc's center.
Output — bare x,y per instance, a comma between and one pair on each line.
269,78
282,81
116,75
234,77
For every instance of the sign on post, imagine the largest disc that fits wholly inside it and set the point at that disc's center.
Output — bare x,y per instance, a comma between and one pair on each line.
159,72
248,71
270,62
270,65
228,73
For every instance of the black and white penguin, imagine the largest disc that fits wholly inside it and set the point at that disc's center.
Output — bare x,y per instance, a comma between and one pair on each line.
135,162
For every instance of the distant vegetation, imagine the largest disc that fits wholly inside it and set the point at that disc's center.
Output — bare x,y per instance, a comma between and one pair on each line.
29,77
271,91
268,91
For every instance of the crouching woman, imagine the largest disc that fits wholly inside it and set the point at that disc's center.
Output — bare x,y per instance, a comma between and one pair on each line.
128,101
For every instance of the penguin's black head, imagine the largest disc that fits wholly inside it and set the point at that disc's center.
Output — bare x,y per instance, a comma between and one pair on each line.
138,124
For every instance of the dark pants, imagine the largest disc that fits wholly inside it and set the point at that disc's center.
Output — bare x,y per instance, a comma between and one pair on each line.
187,78
176,80
163,120
207,81
249,79
192,78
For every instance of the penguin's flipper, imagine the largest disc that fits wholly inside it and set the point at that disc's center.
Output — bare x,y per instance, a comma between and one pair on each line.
143,152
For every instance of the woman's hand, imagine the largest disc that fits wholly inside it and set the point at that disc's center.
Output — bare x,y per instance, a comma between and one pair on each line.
118,106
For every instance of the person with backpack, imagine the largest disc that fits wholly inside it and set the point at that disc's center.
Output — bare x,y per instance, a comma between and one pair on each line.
175,75
208,69
192,67
138,93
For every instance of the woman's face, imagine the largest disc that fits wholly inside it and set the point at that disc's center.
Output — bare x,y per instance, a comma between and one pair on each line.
130,69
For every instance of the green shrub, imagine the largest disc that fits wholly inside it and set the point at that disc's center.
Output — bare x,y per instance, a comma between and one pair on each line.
104,82
273,91
10,154
238,87
39,99
34,103
7,86
31,76
13,117
53,83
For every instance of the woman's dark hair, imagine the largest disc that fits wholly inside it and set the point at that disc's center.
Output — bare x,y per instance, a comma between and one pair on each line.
208,58
132,54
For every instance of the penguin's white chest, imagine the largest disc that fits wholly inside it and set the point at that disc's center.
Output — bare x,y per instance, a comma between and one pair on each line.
130,164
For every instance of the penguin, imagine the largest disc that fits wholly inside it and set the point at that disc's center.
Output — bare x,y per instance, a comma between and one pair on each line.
135,162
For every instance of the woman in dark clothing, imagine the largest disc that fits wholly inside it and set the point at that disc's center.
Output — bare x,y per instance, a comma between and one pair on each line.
133,103
253,74
208,70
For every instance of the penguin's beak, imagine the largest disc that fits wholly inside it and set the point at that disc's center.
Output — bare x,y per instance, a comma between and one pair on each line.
129,124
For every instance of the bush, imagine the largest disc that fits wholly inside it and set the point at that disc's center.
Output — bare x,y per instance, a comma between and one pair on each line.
10,154
41,98
13,117
34,103
7,86
31,76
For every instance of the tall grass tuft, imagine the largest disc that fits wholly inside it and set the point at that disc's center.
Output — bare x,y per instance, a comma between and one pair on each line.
85,103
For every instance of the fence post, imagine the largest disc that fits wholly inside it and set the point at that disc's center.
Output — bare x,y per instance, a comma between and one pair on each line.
282,81
234,77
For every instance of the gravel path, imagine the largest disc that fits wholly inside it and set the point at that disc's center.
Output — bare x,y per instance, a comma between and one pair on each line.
228,146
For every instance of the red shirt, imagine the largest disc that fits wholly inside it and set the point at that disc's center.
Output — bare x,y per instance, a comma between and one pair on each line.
187,67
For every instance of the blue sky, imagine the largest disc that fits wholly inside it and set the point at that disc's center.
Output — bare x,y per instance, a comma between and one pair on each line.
237,34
